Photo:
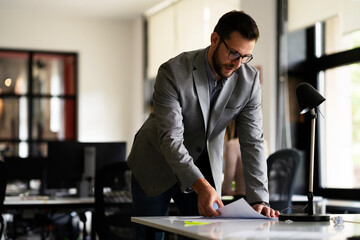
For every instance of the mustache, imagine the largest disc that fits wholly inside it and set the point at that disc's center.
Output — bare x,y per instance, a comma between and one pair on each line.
231,66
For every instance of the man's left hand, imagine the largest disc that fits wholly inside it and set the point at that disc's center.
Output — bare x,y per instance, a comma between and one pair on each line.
266,211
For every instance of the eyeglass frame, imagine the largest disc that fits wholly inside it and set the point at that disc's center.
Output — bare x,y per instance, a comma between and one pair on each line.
236,53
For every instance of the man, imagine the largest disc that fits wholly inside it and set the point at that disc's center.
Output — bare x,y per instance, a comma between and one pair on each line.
177,153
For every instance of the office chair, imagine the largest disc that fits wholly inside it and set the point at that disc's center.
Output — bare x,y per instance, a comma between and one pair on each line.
113,206
282,168
3,182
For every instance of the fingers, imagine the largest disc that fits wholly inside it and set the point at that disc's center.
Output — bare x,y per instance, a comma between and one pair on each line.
219,203
207,205
277,213
207,196
266,211
207,210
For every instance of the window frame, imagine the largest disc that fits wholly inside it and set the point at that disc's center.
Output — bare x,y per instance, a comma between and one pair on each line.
30,96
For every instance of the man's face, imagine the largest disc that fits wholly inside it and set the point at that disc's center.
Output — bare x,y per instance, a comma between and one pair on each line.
223,66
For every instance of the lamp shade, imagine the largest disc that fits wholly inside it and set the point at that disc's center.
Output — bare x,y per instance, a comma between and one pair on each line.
308,97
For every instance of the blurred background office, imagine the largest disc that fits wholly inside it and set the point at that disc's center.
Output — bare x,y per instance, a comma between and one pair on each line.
84,71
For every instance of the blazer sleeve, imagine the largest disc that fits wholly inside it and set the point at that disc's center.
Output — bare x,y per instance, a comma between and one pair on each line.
249,127
168,113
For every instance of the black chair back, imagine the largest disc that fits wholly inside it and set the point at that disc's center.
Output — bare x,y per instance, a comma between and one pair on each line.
113,203
282,168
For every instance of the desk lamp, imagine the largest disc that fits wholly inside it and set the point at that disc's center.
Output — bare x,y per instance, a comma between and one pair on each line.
308,99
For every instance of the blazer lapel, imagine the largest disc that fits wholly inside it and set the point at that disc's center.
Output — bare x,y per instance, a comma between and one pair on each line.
202,86
221,102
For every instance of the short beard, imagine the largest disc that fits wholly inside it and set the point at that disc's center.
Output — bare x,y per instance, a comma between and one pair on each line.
216,64
215,60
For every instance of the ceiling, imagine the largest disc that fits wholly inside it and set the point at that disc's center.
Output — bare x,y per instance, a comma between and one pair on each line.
119,9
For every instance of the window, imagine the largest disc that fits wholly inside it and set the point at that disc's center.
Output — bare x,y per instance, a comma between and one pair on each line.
339,139
37,100
327,56
341,128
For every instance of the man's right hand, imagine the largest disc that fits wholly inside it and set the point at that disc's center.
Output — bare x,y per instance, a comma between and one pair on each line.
207,196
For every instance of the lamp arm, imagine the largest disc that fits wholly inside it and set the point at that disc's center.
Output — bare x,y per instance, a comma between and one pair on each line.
311,167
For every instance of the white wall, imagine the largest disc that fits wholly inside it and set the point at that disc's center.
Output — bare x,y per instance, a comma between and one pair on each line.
264,13
110,85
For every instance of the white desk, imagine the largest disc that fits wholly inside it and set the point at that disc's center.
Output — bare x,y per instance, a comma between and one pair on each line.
240,229
46,202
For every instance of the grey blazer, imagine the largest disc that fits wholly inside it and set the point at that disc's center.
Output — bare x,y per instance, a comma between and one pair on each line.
182,125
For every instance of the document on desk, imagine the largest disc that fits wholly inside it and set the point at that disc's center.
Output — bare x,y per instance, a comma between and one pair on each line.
240,209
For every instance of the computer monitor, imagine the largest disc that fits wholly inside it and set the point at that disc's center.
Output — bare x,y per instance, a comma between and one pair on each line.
24,169
107,152
65,166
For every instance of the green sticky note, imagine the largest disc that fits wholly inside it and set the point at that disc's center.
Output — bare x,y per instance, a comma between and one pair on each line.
193,223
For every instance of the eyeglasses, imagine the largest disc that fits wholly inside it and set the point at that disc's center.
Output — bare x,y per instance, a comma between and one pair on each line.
233,55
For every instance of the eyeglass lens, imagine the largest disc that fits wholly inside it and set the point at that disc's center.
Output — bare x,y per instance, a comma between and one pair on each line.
233,56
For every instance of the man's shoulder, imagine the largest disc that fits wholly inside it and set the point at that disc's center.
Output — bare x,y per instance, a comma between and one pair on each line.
247,68
248,75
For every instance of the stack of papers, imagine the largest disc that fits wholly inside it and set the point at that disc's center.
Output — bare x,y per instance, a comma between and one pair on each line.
240,209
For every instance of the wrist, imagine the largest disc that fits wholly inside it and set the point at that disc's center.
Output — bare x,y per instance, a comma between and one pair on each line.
199,184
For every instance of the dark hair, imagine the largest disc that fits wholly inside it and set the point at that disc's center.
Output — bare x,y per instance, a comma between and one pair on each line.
237,21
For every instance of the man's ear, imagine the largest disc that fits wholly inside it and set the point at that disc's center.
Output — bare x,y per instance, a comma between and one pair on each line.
215,38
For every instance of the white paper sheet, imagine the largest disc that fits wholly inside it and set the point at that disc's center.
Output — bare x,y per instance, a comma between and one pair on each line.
240,209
